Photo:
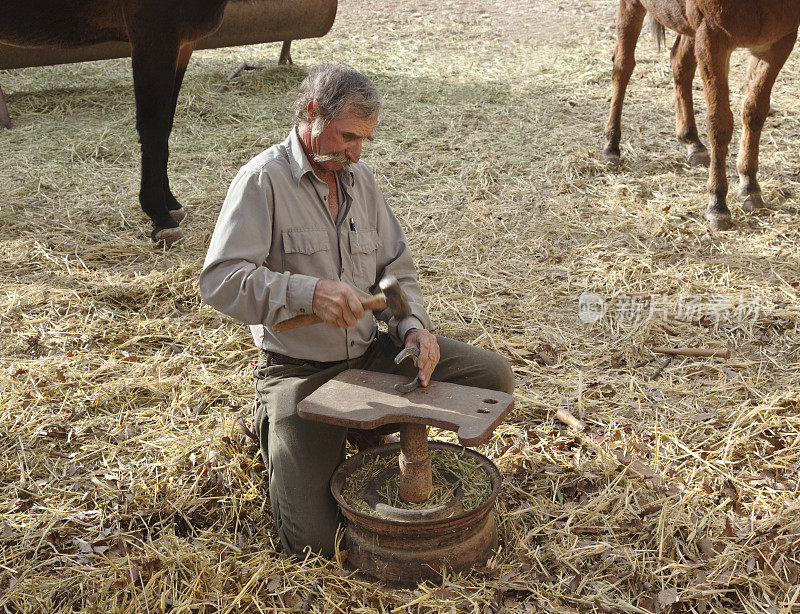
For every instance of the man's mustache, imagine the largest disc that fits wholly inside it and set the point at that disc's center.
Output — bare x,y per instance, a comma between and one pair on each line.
333,157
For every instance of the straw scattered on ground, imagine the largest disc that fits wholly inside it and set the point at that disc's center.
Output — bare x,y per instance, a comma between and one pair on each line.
126,485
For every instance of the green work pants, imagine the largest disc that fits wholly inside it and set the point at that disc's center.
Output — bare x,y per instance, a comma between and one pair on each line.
301,455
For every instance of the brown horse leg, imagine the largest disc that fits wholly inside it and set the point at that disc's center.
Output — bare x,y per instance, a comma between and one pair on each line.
286,54
5,118
684,65
184,55
713,55
154,64
764,69
630,16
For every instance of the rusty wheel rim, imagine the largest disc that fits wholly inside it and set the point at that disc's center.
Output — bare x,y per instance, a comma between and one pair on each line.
347,467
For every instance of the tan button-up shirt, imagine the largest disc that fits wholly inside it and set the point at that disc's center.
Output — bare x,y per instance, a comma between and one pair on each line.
275,239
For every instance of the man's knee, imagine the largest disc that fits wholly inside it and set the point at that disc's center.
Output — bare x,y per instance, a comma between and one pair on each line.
303,456
468,365
305,518
499,375
318,538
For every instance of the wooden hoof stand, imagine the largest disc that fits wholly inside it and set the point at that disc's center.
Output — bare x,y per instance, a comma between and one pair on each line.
405,546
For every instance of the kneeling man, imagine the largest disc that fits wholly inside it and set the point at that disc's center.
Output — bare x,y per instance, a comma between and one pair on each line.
304,229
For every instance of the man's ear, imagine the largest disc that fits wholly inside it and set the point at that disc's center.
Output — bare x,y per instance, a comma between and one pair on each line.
311,110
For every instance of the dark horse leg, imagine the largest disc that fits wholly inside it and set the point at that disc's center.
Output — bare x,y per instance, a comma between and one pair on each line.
713,55
630,17
161,38
684,65
175,209
764,68
155,62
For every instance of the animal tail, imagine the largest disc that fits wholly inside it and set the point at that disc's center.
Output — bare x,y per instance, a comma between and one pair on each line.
658,31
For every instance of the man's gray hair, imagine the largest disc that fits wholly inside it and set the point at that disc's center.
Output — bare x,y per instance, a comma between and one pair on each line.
335,87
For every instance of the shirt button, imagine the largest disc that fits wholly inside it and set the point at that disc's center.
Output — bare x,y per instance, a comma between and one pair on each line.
352,343
302,310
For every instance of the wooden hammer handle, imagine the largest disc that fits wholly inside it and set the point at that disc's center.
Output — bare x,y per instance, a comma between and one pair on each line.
567,418
296,322
374,302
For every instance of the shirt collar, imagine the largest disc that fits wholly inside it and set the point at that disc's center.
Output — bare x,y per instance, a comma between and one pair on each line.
299,164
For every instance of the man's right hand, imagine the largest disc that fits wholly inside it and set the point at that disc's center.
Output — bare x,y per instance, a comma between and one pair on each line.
337,303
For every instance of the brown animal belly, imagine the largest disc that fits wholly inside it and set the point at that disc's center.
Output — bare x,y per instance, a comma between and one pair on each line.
760,24
670,14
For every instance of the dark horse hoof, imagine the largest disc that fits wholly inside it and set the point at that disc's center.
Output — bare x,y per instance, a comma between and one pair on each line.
698,156
178,214
720,221
166,236
611,156
754,202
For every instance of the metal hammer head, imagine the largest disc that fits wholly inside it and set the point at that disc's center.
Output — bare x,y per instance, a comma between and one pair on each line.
396,299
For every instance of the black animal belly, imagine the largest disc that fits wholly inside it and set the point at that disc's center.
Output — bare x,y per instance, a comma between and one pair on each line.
61,23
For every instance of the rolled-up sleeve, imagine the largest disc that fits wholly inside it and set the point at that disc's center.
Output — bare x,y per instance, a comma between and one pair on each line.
235,279
394,258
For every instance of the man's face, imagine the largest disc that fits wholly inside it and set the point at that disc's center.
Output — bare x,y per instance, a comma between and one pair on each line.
339,143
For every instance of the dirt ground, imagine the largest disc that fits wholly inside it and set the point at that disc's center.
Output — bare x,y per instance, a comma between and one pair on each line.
517,20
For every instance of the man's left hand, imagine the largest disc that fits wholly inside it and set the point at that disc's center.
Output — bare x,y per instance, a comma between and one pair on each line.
428,353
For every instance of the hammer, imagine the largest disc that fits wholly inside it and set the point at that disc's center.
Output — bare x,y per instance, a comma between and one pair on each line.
391,296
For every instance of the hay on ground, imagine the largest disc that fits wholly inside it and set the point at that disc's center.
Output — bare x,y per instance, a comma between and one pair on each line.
125,485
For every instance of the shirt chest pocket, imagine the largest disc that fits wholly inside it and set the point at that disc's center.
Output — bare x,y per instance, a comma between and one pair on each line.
306,251
364,252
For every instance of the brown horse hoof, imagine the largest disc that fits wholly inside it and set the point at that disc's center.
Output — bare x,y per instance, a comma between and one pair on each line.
753,202
610,157
167,236
720,221
699,157
178,214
